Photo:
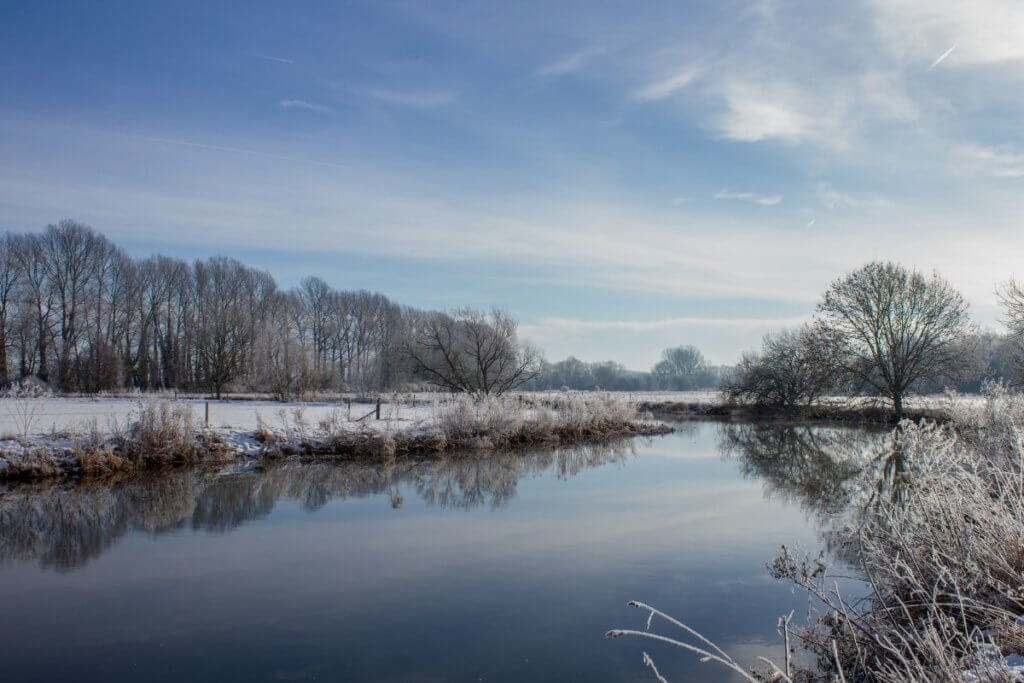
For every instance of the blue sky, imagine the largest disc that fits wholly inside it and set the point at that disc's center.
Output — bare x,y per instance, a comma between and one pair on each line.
621,176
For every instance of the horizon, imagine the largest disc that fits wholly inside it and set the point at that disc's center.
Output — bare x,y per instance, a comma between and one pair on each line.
620,182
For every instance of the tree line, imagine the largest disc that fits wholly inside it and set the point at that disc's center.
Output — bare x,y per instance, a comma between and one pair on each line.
883,330
680,368
80,314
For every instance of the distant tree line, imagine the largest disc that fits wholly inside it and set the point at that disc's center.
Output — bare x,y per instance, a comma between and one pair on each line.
680,368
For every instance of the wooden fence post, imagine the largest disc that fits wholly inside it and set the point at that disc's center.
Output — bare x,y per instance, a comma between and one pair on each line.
378,408
207,418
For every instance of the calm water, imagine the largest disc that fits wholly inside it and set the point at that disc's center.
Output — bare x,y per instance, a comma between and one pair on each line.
508,568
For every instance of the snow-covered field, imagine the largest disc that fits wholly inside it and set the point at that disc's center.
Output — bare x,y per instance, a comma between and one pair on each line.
43,435
55,417
58,416
82,415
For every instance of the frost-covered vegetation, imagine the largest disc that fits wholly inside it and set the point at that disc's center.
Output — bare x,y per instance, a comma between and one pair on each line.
158,432
939,551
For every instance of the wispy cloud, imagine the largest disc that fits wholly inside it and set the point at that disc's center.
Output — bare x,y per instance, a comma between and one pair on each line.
417,99
568,63
832,198
272,58
764,200
304,104
666,86
778,110
995,162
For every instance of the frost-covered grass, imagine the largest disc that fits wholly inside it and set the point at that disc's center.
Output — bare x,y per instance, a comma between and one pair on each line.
941,555
153,432
36,414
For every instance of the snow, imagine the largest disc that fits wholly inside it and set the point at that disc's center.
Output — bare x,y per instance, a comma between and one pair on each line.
78,416
57,418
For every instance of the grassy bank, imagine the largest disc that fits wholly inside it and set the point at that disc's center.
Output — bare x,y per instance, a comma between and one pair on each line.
939,552
160,433
853,412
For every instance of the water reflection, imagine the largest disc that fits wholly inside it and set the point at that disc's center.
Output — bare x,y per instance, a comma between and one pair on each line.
64,525
833,474
841,477
493,552
820,468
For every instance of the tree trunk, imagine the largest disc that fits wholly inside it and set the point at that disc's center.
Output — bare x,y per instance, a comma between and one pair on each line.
4,378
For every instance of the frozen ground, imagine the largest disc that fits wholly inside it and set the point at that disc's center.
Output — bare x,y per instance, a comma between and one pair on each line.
43,436
56,417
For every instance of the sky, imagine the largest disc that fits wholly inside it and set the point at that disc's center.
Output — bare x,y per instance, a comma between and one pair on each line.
622,177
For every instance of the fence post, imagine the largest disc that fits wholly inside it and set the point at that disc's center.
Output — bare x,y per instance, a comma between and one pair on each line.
207,418
378,408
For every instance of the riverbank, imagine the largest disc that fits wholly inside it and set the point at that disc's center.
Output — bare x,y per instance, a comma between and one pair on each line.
161,433
937,544
851,412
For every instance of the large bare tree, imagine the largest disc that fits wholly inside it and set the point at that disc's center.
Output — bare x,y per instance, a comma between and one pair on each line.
472,351
1011,296
896,327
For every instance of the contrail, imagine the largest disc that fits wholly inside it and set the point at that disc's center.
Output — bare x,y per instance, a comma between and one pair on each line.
276,59
942,57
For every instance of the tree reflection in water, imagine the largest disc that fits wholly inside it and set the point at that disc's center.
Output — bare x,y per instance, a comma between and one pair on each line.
838,475
833,473
64,525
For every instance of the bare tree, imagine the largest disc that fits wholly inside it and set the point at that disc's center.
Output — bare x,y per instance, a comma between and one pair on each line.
896,328
1011,296
37,304
72,256
472,351
793,367
223,333
8,288
681,367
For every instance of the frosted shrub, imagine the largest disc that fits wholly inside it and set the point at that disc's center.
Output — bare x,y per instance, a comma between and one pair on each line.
22,403
334,423
161,431
505,420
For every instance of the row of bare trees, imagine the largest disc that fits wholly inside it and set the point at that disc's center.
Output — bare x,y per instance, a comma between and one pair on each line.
80,314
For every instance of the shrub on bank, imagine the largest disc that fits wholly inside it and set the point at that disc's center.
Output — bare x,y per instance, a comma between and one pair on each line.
156,433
